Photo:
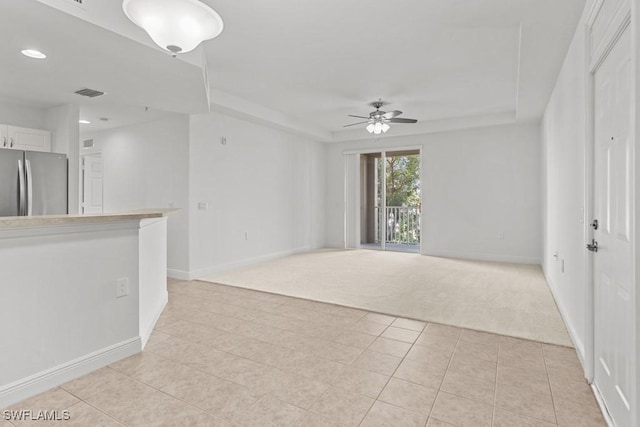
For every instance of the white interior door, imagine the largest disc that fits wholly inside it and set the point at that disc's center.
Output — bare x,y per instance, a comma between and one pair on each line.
614,307
92,184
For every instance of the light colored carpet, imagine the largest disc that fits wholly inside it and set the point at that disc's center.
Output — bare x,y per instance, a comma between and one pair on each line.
508,299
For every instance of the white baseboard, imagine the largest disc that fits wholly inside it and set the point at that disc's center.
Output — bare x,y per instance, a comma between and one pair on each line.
204,272
573,335
148,329
178,274
53,377
336,245
483,256
603,407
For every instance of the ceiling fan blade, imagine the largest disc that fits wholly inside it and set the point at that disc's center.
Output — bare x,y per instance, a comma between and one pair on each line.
402,121
353,124
392,114
360,117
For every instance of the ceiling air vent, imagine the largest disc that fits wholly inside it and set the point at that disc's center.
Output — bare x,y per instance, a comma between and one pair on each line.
89,92
79,3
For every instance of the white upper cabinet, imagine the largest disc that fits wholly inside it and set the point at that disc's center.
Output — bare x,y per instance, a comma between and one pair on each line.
19,138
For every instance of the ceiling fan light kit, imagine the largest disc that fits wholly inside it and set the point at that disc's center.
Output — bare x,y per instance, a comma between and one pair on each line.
177,26
378,127
378,121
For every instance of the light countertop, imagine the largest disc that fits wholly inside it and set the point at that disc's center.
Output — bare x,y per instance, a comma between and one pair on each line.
49,220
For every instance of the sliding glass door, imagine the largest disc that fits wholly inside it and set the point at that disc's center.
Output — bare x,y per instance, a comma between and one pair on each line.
390,207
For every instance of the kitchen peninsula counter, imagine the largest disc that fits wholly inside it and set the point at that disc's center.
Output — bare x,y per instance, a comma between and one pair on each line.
78,292
47,220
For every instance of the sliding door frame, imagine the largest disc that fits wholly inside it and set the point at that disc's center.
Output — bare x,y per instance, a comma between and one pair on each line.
352,233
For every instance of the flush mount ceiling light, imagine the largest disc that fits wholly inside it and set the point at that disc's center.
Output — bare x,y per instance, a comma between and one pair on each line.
32,53
177,26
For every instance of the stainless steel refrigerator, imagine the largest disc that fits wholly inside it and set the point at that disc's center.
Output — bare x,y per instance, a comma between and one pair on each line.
32,183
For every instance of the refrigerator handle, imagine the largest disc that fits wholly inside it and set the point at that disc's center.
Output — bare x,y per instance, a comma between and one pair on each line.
29,188
21,188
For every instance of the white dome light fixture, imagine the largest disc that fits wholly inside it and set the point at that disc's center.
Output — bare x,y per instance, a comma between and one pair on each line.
177,26
32,53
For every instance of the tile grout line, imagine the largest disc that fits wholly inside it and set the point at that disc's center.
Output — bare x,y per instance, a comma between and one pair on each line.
199,370
164,392
390,376
548,383
546,370
495,391
261,393
119,421
376,399
447,370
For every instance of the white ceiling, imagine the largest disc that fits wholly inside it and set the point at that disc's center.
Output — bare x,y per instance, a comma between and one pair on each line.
300,65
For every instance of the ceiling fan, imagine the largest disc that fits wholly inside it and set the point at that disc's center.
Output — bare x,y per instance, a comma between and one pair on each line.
378,121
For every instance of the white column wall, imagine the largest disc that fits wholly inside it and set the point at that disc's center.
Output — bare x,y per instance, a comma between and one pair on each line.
146,166
564,138
63,122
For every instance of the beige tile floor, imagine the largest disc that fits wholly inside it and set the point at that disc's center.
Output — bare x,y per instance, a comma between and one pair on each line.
225,356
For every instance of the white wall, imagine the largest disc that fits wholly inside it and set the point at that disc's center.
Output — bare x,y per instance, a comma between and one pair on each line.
146,166
63,122
152,266
477,183
265,184
635,19
565,144
60,315
563,132
15,114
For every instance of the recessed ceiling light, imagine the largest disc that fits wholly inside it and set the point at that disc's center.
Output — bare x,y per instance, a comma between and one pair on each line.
84,122
32,53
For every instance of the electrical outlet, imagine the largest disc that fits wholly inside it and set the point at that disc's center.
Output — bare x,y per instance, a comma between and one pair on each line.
122,287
